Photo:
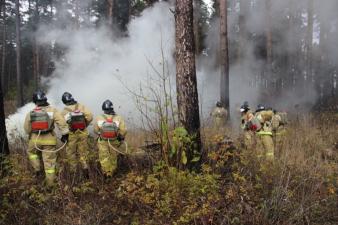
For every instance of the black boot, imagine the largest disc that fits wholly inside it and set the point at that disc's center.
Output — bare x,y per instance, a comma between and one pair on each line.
85,174
107,178
39,175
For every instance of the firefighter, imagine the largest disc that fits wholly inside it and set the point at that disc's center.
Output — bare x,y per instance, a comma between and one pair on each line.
78,117
264,133
39,125
219,115
111,130
279,122
246,117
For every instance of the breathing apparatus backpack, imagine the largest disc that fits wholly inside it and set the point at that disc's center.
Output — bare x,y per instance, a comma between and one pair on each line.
40,121
77,120
109,129
254,124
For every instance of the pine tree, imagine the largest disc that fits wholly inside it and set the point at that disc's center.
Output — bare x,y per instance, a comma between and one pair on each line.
19,84
224,53
187,96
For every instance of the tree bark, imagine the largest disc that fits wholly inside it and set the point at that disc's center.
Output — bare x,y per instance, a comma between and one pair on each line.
224,54
309,43
243,33
4,150
268,37
110,11
187,95
19,84
77,14
3,50
197,16
36,52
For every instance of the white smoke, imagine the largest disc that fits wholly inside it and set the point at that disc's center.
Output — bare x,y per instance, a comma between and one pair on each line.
95,60
14,124
96,66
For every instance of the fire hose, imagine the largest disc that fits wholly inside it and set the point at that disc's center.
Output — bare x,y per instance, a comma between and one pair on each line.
48,151
118,151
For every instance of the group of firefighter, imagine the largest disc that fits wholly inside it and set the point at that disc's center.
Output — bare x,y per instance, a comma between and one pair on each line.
72,122
263,130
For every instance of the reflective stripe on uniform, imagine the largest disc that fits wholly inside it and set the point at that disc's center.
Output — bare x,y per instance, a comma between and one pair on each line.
264,133
269,154
50,171
281,133
33,156
44,142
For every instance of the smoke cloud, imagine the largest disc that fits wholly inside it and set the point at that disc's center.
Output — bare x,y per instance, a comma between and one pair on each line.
95,60
97,65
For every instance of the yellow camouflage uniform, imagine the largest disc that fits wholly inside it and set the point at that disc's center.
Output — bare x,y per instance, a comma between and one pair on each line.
265,146
78,139
219,115
247,133
279,132
107,155
45,141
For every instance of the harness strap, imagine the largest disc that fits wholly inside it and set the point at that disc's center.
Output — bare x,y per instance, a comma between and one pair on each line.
41,150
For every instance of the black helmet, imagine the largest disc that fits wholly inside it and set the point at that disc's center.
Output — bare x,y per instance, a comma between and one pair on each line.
68,99
39,98
219,104
108,107
245,107
260,107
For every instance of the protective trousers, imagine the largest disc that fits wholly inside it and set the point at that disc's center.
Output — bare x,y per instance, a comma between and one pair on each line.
77,149
265,146
48,158
108,155
219,122
248,139
279,139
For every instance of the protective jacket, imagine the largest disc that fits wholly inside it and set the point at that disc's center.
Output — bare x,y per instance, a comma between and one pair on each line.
265,118
116,119
72,109
219,115
46,138
265,144
110,128
246,118
42,143
248,134
78,118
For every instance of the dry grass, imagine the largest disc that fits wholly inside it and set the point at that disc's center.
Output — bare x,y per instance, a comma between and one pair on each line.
300,187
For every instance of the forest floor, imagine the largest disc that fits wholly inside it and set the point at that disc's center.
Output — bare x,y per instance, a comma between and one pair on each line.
234,187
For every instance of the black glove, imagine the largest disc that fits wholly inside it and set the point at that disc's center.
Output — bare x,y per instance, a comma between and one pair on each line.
120,137
64,138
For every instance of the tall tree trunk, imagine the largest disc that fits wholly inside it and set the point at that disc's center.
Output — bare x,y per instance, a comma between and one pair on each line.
187,95
4,150
197,16
268,76
268,34
268,39
224,54
36,51
77,14
110,10
309,42
3,50
243,33
19,84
